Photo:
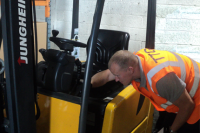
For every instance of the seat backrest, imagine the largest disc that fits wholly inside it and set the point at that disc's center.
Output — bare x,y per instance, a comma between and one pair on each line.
109,42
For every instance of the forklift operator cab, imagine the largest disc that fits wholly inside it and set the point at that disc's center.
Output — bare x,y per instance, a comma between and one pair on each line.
111,108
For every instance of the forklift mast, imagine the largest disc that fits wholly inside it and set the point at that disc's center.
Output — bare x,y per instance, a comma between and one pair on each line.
17,29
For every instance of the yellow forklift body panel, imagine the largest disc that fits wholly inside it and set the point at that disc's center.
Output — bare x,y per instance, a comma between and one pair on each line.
64,116
121,114
43,123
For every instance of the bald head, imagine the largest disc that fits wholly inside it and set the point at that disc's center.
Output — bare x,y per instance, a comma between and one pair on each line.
124,59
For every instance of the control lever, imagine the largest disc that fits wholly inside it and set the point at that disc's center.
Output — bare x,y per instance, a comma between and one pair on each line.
55,33
43,51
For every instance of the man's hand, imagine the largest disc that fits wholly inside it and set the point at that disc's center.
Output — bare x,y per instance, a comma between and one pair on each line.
186,106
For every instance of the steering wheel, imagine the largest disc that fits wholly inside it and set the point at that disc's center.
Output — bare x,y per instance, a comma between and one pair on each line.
65,44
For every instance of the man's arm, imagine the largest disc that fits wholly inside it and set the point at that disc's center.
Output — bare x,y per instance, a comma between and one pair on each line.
186,106
172,88
102,78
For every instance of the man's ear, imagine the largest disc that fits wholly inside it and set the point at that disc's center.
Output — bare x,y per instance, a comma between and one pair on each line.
130,68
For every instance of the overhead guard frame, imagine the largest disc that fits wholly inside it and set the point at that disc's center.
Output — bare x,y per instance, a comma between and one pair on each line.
151,24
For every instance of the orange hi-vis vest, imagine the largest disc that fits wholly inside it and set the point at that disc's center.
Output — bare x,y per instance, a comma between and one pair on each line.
156,64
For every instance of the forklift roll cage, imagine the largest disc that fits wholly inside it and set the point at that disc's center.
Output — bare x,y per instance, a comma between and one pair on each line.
19,60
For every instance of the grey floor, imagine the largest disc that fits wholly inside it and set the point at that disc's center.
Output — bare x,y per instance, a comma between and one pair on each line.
161,131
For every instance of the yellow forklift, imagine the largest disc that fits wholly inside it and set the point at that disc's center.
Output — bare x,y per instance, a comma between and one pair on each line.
112,108
63,83
108,109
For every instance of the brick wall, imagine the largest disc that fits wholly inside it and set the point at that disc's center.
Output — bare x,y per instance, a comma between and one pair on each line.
177,22
178,27
123,15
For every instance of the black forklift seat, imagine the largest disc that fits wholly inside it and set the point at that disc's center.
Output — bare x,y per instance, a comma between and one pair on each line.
108,42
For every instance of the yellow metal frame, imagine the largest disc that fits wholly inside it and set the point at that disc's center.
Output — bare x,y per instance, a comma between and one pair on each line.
121,114
43,123
64,117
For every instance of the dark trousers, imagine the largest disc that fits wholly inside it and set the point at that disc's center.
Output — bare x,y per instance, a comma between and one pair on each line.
190,128
166,119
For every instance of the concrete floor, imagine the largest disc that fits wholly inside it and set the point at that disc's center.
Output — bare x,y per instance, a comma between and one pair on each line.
161,131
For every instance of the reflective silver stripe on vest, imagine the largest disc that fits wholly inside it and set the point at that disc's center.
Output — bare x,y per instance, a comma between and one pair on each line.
157,68
165,105
196,79
182,66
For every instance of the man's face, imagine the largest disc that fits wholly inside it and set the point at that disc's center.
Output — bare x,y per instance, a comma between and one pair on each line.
122,75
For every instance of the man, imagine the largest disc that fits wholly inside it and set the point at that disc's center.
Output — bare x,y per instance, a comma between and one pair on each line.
169,80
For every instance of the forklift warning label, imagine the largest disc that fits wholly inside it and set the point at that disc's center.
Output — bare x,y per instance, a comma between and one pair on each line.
22,32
